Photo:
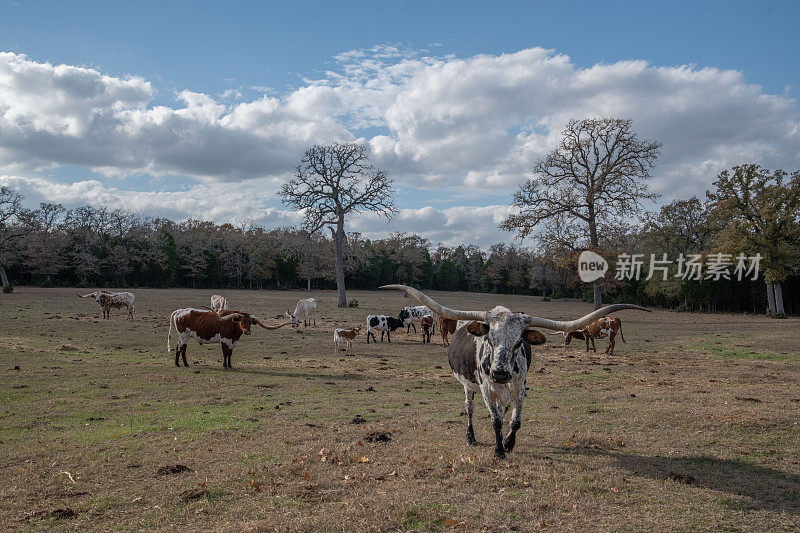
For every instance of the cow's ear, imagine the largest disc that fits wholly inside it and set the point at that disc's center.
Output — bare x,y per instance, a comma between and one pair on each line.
533,337
236,318
479,329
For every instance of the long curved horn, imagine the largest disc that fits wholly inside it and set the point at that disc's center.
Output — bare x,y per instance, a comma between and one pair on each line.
265,326
582,322
79,296
439,309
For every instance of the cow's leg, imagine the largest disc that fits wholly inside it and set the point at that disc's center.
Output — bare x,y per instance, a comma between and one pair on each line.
470,408
496,414
415,328
610,349
388,336
178,355
183,354
594,347
587,343
518,397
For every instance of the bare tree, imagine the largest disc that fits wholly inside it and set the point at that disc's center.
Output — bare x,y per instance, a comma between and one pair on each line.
330,183
596,175
10,209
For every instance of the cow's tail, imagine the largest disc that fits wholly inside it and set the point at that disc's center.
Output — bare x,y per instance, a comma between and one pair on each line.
620,332
169,333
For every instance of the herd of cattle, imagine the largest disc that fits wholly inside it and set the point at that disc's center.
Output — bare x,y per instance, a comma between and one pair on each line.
490,351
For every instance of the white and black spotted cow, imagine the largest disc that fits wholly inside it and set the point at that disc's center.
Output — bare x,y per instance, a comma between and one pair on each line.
491,355
384,324
413,315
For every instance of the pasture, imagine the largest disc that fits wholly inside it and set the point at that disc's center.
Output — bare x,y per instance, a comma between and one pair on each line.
691,425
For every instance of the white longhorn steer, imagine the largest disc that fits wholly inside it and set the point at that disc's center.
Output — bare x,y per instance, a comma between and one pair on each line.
491,355
306,309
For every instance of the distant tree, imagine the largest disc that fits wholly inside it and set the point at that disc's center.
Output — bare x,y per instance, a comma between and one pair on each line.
330,183
10,207
760,212
596,175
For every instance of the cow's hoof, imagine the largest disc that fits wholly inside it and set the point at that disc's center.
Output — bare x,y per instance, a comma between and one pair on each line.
500,456
471,438
509,442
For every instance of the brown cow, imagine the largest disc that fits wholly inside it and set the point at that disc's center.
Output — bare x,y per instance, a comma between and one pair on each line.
427,326
447,326
210,327
597,330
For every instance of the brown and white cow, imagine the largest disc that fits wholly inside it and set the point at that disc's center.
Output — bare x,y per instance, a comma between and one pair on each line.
346,336
427,326
218,302
107,300
210,327
608,326
447,326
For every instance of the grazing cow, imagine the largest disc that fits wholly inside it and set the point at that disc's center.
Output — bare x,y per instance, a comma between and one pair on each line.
427,326
491,355
218,302
210,327
305,309
345,335
608,326
107,300
384,324
413,315
447,326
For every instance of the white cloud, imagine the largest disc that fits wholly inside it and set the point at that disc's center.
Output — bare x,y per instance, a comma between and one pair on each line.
465,126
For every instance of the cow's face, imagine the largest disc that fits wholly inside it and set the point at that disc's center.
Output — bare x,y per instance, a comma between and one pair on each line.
575,335
245,322
502,336
404,316
295,322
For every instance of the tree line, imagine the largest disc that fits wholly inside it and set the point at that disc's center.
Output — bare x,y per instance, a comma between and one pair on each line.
587,193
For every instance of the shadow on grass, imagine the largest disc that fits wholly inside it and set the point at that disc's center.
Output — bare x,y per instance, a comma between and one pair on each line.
282,374
766,488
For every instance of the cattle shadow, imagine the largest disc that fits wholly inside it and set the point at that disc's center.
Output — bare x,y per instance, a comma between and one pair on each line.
280,374
765,488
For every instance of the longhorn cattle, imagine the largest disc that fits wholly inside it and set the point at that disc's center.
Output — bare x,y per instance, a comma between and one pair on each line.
345,335
447,326
413,315
210,327
427,326
107,300
305,309
218,302
608,326
384,324
491,355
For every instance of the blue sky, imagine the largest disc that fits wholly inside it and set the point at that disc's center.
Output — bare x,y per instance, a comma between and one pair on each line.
716,82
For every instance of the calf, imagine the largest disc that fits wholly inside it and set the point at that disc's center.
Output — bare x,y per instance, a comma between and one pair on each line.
427,326
447,326
345,335
210,327
117,300
413,315
597,330
305,309
384,324
218,302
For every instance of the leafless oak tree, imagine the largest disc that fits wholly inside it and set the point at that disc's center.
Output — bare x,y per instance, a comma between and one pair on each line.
331,182
595,175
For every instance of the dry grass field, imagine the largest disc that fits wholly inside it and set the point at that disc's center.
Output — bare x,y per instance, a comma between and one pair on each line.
691,426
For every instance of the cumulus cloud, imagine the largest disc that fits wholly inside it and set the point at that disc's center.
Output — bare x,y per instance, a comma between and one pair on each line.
467,126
